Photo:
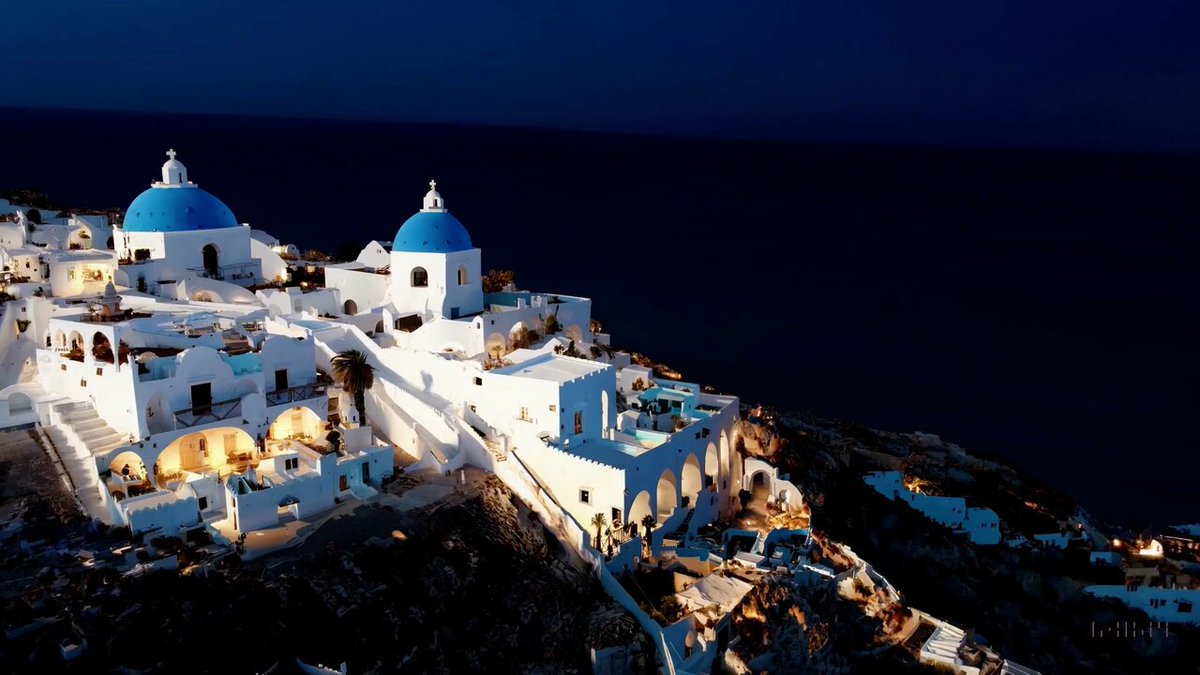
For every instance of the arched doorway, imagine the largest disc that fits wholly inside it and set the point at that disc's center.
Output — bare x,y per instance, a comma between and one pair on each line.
129,475
299,423
350,308
724,459
518,337
102,348
497,346
712,467
211,260
691,478
19,403
420,278
639,509
667,495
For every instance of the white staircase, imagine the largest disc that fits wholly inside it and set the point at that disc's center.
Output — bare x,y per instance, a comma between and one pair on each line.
81,467
93,431
80,437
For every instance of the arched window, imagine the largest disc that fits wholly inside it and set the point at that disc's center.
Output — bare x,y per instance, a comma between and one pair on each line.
462,275
420,278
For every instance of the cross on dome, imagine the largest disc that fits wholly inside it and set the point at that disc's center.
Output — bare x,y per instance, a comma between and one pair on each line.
174,173
433,199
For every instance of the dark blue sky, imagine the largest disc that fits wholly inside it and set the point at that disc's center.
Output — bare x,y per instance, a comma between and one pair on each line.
1079,74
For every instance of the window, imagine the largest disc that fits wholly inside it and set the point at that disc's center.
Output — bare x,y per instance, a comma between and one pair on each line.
420,278
616,516
99,371
524,416
579,421
1185,607
585,496
291,463
479,382
553,408
203,503
462,276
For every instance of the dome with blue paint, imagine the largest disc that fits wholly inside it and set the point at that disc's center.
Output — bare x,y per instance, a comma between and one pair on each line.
176,205
432,229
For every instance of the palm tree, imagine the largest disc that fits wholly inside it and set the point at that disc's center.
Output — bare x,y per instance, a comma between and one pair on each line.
598,522
647,538
356,375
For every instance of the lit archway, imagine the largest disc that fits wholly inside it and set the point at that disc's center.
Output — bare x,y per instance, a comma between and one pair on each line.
667,495
60,339
299,424
128,471
604,411
723,457
712,467
640,508
75,341
691,479
200,452
518,336
497,346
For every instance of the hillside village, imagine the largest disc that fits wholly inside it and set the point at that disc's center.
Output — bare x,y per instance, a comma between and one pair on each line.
209,399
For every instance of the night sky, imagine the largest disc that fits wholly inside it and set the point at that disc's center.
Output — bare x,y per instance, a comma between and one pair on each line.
1096,74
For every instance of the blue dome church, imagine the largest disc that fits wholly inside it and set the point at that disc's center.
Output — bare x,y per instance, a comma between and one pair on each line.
435,268
174,232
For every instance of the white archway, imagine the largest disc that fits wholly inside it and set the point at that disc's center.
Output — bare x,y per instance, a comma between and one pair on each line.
691,479
712,466
666,495
639,509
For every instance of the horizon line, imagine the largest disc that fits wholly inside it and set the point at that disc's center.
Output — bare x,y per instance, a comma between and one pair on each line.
638,133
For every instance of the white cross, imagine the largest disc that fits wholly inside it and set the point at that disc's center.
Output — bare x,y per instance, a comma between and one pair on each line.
171,153
433,185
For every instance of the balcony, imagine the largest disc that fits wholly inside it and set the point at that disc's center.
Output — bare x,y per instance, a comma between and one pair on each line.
295,394
204,414
246,270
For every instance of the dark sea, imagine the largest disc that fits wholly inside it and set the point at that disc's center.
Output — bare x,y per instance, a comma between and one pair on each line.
1040,305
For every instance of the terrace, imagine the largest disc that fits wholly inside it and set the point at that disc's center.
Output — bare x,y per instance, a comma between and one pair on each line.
295,394
205,414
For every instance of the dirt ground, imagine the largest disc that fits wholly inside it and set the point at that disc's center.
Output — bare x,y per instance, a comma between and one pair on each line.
27,475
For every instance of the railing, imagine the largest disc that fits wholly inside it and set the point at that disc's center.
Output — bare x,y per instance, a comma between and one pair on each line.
213,412
295,394
246,270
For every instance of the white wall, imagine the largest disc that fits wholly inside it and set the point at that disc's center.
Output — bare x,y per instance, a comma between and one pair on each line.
444,296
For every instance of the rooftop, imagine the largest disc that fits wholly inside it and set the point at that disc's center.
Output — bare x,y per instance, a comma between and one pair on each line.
552,368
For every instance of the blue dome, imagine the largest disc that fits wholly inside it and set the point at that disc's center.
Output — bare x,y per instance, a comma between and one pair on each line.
177,209
432,232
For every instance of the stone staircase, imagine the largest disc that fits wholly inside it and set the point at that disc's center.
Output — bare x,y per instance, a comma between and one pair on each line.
93,431
89,436
81,468
681,532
